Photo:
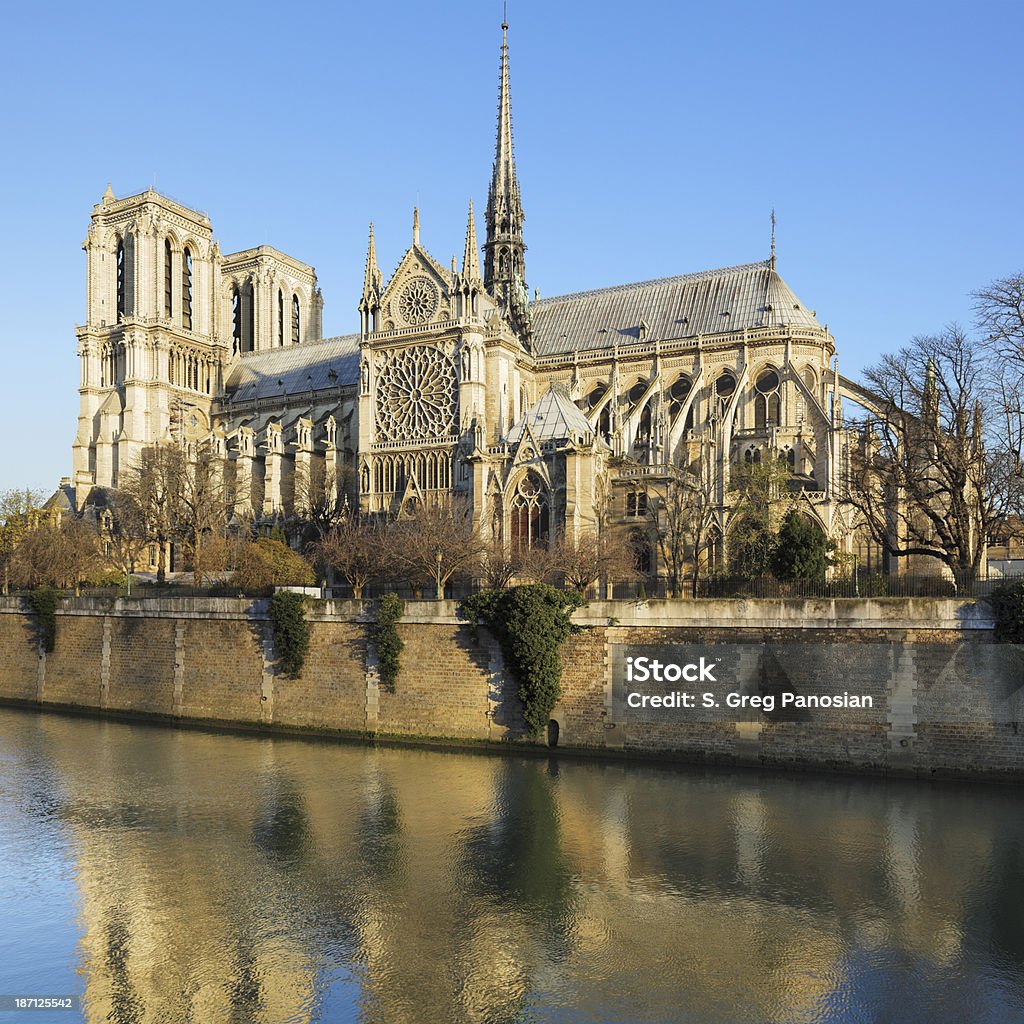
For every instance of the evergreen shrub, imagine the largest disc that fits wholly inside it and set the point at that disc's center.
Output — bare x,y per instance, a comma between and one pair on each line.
42,603
386,639
1007,600
530,623
291,630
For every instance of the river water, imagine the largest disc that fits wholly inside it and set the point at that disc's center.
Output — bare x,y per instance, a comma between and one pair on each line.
166,875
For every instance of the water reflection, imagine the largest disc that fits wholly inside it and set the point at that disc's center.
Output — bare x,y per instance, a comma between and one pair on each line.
220,878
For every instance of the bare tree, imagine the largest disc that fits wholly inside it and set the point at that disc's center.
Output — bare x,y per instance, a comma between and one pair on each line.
921,479
498,567
999,317
20,511
182,497
682,511
538,562
357,549
124,530
321,498
203,505
438,542
593,556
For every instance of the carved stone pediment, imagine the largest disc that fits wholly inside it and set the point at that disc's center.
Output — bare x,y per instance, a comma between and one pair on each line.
418,294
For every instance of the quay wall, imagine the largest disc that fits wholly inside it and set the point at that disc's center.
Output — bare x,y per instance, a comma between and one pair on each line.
947,701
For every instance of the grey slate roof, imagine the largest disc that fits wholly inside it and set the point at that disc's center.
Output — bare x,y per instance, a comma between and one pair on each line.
295,369
555,417
711,302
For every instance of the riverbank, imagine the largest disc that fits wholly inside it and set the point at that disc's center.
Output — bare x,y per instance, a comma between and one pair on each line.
941,699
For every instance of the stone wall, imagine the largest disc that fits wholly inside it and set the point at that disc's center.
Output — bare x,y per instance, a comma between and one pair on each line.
947,701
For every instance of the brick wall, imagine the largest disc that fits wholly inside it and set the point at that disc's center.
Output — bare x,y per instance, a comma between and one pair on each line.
947,701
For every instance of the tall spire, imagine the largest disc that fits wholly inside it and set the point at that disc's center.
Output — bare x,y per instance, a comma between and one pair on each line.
372,277
370,302
415,225
772,261
504,262
471,257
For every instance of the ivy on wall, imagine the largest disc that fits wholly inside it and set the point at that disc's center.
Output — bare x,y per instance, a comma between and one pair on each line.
386,639
291,630
1007,602
530,623
42,603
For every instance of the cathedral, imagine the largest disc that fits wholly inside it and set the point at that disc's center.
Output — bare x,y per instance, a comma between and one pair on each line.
547,416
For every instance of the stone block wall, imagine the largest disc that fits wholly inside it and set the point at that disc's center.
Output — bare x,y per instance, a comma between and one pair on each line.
947,701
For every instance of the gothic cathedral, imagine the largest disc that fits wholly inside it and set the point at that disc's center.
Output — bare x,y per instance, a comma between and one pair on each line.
547,416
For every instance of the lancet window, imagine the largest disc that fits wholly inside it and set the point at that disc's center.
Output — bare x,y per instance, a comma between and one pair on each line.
121,282
530,515
168,278
186,288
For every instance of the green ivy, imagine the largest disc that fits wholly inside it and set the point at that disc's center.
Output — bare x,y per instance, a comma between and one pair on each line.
43,604
386,639
291,630
1007,602
531,623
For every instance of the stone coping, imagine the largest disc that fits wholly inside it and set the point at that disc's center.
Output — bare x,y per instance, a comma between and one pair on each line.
917,613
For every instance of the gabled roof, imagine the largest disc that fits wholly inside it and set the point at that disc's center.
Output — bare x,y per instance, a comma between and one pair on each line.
329,363
711,302
554,418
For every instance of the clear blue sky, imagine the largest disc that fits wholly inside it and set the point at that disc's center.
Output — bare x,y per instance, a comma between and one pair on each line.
652,139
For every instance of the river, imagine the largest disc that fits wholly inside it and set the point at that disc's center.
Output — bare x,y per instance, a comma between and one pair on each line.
163,875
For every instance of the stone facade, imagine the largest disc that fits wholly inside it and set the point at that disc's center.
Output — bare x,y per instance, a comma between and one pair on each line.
546,415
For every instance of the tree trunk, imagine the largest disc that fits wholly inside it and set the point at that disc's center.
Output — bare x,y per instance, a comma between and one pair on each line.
197,555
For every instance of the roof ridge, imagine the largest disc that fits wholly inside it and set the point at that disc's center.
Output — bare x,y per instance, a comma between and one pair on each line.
699,275
308,346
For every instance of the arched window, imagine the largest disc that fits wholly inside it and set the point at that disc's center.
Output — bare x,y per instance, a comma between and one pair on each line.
295,319
186,288
121,294
236,319
168,298
530,514
677,394
636,392
249,334
725,386
643,432
280,317
767,404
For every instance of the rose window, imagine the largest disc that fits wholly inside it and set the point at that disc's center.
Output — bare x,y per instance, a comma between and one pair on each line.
416,396
418,301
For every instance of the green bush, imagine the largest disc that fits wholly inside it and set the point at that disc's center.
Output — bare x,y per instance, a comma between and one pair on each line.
801,550
43,603
531,623
1007,602
291,630
386,639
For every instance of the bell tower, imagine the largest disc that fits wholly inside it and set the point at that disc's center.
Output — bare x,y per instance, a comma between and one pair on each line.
149,356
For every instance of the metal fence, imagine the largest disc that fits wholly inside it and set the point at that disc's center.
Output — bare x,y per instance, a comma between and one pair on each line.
710,588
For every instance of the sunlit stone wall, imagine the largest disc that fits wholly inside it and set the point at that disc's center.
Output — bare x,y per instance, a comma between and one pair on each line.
945,699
